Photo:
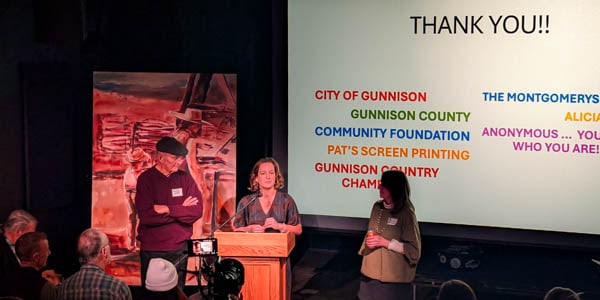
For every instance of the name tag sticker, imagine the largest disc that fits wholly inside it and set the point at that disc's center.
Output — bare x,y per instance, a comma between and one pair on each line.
392,221
177,192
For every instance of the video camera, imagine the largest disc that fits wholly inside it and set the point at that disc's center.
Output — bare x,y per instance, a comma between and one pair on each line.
202,247
224,277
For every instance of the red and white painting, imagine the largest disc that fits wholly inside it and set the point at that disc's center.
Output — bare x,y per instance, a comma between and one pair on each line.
131,112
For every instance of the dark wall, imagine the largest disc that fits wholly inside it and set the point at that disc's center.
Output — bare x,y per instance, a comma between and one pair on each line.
48,51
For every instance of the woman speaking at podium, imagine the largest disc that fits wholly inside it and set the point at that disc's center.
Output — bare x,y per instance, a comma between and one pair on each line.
267,209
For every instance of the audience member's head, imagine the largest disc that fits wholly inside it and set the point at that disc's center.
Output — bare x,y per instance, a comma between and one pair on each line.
161,275
18,223
456,289
561,293
161,280
93,248
33,249
22,213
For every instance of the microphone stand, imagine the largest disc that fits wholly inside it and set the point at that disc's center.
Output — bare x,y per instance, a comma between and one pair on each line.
257,195
209,267
213,217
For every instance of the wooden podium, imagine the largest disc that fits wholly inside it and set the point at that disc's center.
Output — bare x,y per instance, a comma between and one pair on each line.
265,260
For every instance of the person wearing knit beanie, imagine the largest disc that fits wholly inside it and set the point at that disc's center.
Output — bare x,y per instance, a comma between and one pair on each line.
161,275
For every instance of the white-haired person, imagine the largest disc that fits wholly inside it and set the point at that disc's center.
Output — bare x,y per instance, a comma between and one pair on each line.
92,282
18,223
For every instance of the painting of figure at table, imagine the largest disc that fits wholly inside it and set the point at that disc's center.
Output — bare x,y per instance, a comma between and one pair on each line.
131,112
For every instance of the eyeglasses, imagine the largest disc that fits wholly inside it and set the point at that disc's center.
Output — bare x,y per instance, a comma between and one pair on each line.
172,157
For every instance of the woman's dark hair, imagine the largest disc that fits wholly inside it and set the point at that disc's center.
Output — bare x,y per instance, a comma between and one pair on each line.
397,184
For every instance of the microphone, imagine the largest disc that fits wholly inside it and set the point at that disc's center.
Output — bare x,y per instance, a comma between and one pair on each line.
255,196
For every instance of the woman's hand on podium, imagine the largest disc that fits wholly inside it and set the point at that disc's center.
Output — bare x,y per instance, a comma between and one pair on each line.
272,223
255,228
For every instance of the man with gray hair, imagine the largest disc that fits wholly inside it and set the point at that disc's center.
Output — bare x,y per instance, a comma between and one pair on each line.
91,282
18,223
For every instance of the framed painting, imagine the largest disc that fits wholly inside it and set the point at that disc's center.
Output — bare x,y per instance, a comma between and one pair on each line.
131,112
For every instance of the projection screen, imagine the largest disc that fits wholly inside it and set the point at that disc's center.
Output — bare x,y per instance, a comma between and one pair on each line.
491,108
